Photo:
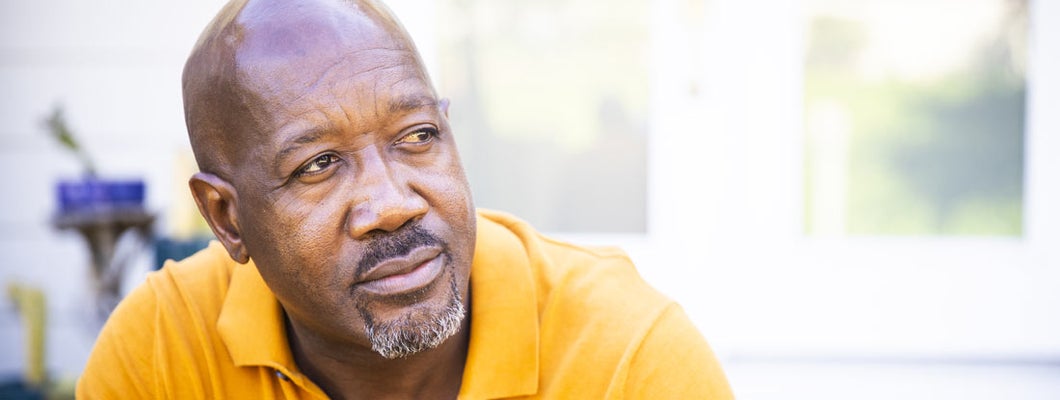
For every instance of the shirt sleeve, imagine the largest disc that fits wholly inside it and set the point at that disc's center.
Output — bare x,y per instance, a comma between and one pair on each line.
121,364
675,362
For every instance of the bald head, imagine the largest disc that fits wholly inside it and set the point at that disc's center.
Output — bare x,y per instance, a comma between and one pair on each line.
255,53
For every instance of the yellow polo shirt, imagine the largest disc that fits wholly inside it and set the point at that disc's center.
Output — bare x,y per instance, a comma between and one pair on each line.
548,320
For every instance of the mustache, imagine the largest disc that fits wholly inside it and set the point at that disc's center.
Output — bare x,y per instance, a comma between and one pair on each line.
397,244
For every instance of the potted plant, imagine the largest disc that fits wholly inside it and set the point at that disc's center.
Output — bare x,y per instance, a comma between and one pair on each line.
90,194
102,211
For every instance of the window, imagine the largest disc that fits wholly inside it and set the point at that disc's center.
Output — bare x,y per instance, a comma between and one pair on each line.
914,117
550,105
737,223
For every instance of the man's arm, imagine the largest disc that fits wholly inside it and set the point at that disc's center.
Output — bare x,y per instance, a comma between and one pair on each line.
675,362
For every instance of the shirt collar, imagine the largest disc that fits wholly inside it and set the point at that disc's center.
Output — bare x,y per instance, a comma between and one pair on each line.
502,358
251,323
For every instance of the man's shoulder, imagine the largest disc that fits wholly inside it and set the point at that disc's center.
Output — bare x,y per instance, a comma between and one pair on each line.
160,326
191,291
587,290
596,292
212,262
603,331
202,278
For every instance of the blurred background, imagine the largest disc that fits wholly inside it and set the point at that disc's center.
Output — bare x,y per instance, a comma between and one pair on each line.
852,199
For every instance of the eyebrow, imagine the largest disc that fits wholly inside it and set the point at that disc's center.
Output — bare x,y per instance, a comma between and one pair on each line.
412,103
306,137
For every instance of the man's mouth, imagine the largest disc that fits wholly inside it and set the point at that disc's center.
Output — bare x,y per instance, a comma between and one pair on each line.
406,274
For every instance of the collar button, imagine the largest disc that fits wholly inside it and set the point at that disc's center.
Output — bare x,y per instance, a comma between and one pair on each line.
282,376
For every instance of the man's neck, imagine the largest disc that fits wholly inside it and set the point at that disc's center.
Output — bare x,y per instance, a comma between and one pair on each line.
357,372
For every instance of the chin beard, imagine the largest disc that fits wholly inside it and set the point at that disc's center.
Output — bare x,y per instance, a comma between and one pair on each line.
416,330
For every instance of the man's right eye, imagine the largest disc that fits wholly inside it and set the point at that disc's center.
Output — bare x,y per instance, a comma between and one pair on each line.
318,164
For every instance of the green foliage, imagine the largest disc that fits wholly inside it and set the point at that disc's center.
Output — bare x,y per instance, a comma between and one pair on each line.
56,126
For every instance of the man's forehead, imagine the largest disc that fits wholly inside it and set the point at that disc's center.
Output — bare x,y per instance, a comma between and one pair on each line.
316,34
326,75
325,54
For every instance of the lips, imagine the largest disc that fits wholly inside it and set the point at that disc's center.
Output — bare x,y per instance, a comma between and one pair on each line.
405,274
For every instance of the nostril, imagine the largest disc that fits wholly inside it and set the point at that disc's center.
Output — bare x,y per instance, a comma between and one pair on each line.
367,224
408,224
372,234
411,221
403,226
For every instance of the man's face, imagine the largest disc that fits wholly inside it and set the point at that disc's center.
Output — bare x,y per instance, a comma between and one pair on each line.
351,198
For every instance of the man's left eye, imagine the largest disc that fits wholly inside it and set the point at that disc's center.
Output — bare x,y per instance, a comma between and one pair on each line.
421,136
317,165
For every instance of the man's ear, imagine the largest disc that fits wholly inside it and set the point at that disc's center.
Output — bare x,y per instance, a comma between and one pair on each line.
218,201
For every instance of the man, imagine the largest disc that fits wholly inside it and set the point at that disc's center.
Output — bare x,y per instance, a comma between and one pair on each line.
351,262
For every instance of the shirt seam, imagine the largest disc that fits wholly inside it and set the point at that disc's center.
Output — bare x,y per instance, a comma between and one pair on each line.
629,364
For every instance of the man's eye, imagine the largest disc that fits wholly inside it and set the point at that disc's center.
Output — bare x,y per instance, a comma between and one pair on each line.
318,164
421,136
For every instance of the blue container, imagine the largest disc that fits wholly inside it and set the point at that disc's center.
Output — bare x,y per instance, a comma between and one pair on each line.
100,195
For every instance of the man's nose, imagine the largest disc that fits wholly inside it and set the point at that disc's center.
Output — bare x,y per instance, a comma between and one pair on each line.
385,200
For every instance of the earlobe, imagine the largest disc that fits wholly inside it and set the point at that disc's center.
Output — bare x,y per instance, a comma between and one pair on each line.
218,201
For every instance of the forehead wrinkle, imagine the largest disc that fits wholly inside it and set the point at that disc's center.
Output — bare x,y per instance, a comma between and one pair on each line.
328,79
344,58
